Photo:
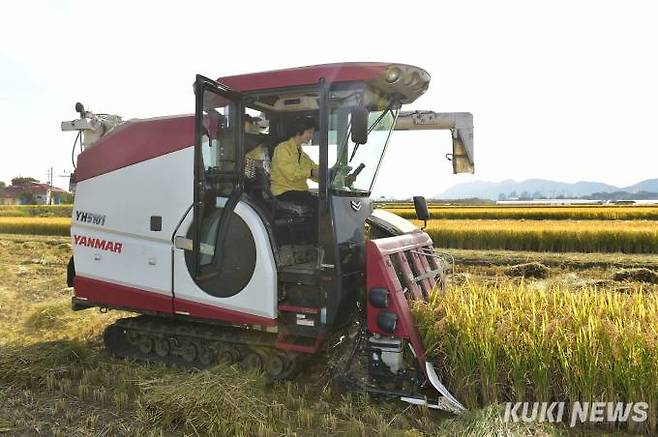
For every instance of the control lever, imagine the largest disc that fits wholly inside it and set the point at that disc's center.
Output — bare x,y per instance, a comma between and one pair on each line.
350,178
357,170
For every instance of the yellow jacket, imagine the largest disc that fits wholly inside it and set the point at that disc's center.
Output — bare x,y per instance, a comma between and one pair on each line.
258,153
291,167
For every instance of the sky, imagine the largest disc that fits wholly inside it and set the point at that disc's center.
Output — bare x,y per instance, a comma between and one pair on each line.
562,90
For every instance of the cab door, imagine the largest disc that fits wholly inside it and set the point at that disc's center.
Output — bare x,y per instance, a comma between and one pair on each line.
218,172
215,248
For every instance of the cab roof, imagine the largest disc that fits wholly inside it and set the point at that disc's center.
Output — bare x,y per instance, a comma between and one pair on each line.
310,75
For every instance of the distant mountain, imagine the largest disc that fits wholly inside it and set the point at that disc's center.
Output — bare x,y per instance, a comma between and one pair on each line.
536,188
650,185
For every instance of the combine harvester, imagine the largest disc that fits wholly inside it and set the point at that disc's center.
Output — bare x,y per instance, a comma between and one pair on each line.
173,221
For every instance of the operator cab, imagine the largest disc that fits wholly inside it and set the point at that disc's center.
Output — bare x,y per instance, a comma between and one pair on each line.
320,254
350,169
264,129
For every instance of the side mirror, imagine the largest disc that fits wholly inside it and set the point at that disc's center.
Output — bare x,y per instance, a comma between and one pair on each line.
422,212
359,121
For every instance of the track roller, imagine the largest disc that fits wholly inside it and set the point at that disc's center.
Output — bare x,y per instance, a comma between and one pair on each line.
162,347
188,351
198,345
253,361
275,366
227,354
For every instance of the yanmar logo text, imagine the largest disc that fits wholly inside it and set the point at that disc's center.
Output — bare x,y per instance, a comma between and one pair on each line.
98,243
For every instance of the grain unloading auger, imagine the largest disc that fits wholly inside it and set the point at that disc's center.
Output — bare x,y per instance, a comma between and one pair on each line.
174,219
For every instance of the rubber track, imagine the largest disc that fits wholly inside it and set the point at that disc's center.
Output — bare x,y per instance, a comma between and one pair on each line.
137,338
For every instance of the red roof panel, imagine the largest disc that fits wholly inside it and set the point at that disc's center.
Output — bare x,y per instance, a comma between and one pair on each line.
291,77
136,141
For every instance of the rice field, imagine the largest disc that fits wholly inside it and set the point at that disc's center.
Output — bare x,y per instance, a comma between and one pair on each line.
607,212
516,341
627,236
495,339
589,229
584,333
36,210
500,212
35,225
639,236
56,378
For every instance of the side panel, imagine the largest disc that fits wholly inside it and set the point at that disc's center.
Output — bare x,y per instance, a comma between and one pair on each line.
255,304
382,260
121,296
111,230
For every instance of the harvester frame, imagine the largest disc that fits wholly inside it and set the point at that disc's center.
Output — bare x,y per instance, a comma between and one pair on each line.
223,271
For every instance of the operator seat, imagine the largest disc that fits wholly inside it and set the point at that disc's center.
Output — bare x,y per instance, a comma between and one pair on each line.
280,210
284,211
288,219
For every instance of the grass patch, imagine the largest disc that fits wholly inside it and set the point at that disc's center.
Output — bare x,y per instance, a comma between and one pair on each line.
489,421
35,225
36,210
223,401
55,319
573,260
528,270
637,275
43,364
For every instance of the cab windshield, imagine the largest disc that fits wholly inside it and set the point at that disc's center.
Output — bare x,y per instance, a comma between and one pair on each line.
353,167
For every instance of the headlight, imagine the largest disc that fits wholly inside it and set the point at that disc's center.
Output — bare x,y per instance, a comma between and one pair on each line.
392,74
378,297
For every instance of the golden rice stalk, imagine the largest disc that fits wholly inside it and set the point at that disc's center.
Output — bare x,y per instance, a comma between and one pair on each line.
509,341
532,212
546,235
35,225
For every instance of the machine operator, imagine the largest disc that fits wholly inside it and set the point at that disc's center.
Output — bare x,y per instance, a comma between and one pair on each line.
291,166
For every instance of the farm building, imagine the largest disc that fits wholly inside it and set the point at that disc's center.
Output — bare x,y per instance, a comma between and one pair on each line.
33,193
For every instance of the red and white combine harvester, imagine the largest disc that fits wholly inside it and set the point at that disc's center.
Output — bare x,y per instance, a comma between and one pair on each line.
173,221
